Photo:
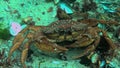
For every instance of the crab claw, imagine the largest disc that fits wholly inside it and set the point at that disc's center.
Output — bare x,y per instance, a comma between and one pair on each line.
59,48
46,46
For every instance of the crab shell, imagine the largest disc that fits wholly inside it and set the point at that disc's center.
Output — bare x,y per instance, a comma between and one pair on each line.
64,30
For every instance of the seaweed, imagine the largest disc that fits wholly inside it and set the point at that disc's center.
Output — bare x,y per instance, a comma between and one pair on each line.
4,62
4,33
89,5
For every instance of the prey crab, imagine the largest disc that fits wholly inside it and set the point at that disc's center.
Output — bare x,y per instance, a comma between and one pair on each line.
83,33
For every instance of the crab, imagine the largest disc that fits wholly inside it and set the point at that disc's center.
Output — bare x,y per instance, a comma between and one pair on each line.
51,38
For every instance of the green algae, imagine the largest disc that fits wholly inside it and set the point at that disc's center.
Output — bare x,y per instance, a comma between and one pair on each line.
4,33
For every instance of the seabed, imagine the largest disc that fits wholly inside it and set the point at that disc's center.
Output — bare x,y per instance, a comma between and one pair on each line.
44,12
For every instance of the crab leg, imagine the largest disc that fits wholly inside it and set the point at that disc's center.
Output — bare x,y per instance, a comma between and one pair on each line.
19,36
14,47
24,54
16,43
112,45
91,47
44,45
88,50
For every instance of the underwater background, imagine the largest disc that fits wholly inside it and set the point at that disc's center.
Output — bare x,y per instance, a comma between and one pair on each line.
16,15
